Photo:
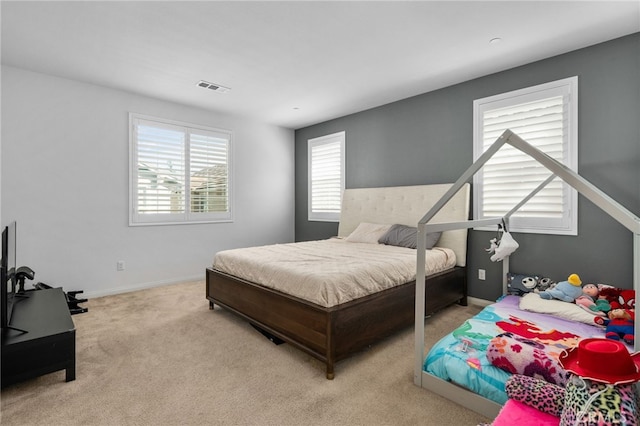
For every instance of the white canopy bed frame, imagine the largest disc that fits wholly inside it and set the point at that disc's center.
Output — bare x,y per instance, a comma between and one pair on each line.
452,391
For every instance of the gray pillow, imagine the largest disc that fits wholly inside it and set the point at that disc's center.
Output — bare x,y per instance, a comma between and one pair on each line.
407,236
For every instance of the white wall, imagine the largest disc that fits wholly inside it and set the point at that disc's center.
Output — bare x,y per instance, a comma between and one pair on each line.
64,177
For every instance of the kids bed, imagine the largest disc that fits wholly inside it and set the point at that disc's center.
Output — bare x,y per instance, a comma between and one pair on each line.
458,366
332,298
506,336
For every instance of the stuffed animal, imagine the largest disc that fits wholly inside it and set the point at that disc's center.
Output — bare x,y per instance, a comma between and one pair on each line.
617,298
587,300
502,248
567,291
619,325
609,293
601,306
493,245
589,294
626,300
544,284
520,284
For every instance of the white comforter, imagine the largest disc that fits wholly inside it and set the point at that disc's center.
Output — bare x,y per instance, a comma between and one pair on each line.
329,272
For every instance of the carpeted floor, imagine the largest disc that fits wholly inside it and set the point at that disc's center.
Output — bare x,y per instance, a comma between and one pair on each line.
161,357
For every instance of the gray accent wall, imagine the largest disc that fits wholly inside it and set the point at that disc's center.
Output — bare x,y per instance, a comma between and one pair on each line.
428,139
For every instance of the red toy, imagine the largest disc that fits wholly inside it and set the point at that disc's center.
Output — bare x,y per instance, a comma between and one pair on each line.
608,293
618,298
626,300
619,325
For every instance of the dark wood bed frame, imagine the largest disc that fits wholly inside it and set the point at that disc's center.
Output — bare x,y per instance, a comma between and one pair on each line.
332,334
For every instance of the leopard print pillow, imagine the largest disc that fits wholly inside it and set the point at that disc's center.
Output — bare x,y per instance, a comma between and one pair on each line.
537,393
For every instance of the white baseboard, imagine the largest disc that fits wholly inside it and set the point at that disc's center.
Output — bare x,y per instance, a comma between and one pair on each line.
479,302
136,287
142,286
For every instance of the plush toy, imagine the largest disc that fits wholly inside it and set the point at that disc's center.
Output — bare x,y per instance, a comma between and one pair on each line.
609,293
626,300
587,300
544,284
493,245
520,284
619,325
567,291
502,248
600,306
589,294
617,298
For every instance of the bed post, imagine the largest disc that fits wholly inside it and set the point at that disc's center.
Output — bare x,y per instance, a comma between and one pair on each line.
420,302
330,348
636,283
505,264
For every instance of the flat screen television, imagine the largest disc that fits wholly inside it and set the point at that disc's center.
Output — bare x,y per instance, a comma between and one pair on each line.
9,279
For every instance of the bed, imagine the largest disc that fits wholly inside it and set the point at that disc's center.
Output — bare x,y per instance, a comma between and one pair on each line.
505,338
329,326
458,366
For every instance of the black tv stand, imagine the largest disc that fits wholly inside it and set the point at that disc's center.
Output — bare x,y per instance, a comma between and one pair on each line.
14,299
72,300
16,329
49,343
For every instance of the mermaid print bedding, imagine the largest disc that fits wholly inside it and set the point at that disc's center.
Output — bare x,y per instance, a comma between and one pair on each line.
502,339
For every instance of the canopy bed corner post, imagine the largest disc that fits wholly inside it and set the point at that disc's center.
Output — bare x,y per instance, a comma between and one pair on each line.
636,280
505,261
420,304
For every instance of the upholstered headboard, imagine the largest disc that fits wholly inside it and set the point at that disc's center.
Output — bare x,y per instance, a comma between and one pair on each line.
406,205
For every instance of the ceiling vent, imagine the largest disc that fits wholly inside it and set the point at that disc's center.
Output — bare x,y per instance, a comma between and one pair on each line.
213,86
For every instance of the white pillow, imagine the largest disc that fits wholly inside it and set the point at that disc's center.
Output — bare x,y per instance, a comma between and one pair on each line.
368,233
558,308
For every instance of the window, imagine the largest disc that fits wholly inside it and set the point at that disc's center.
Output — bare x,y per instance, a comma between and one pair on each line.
326,177
546,116
169,157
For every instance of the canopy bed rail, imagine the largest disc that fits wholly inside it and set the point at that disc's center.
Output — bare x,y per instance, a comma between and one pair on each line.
618,212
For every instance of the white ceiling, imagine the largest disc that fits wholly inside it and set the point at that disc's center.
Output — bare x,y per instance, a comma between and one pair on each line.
297,63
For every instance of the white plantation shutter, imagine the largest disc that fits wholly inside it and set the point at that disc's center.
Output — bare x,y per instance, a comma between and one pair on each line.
160,172
326,177
546,117
209,173
167,157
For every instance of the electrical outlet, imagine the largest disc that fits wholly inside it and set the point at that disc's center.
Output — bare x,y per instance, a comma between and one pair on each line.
120,265
481,274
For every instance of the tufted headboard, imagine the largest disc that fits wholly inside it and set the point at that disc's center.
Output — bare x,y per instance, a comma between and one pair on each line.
406,205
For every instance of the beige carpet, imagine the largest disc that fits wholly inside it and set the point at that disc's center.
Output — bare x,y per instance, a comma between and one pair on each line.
161,357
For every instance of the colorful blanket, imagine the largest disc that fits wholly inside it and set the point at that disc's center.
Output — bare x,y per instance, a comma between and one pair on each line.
529,357
461,356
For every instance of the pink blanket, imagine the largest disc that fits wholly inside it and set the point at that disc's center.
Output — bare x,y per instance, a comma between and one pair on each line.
518,413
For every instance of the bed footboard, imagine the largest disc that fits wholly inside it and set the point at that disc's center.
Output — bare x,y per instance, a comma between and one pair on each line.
332,334
460,395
